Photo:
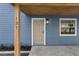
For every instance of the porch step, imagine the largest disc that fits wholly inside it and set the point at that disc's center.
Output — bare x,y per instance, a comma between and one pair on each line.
54,51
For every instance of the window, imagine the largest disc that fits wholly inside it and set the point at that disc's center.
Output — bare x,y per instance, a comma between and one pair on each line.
68,26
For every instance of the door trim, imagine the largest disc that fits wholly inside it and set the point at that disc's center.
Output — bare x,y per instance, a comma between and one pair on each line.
44,29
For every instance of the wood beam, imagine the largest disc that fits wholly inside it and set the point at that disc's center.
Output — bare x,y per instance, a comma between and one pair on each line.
50,8
51,4
17,31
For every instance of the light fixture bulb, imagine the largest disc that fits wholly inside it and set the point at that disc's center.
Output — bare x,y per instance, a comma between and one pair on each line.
47,21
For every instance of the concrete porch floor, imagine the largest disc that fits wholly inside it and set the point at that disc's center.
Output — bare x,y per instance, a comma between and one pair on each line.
54,51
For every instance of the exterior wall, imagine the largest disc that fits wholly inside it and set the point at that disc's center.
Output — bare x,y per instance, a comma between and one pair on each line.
25,29
7,12
6,23
52,31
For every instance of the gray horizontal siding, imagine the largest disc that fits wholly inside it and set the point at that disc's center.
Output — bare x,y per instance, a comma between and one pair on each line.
52,31
7,12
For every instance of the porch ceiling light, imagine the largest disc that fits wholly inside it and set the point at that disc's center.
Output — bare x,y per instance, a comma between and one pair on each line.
47,21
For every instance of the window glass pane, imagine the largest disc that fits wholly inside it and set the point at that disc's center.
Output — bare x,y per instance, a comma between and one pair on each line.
67,26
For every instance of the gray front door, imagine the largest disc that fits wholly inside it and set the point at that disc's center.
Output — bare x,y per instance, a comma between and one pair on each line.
38,32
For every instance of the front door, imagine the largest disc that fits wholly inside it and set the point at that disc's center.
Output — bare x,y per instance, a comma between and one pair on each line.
38,31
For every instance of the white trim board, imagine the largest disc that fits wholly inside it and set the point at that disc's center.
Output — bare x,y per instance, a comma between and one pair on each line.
44,29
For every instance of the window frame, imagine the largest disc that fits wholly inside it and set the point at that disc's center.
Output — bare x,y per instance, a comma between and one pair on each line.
60,19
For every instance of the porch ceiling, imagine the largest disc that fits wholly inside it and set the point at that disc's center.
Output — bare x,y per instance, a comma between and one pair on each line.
50,8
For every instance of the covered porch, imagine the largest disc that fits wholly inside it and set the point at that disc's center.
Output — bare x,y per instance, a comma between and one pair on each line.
38,9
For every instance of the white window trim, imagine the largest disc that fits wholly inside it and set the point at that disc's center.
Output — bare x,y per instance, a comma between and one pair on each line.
75,26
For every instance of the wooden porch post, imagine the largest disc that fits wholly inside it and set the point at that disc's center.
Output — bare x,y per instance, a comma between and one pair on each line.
17,31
